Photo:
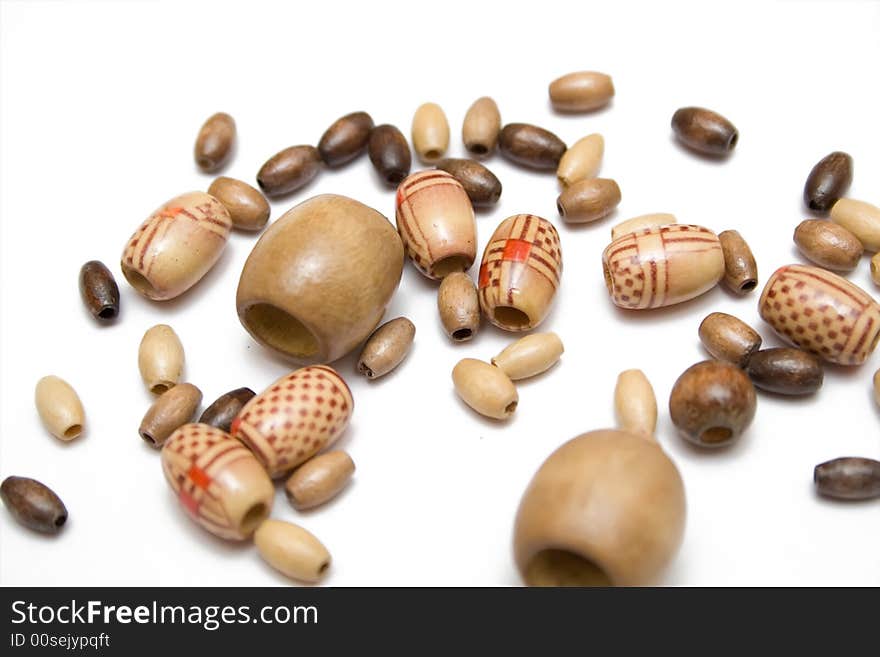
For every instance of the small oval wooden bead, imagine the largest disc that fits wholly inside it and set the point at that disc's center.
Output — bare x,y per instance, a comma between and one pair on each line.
861,219
877,387
176,246
582,160
588,200
828,245
740,268
518,298
480,184
430,132
785,371
728,338
822,313
530,146
248,209
345,139
319,479
583,91
662,266
292,550
295,418
215,142
59,407
829,179
33,504
481,126
635,404
485,388
875,268
389,154
712,403
848,478
459,306
173,409
704,131
160,358
225,408
642,222
98,290
218,481
529,356
386,348
289,170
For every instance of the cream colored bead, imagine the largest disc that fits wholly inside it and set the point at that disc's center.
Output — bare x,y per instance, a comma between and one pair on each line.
582,160
530,355
59,407
635,404
875,268
430,132
582,91
292,550
160,358
861,219
641,222
319,479
485,388
877,387
481,126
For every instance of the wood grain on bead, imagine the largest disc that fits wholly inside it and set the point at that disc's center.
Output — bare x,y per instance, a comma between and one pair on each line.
389,153
861,219
588,200
345,139
728,338
289,170
635,404
160,358
248,209
848,478
786,371
485,388
98,290
459,306
33,504
292,550
481,126
662,266
704,131
59,407
215,142
828,245
173,409
582,160
829,179
642,222
583,91
430,132
225,408
319,479
386,348
481,185
822,313
740,268
529,356
531,146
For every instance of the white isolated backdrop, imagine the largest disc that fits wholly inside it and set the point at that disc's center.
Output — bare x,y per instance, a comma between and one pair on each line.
100,105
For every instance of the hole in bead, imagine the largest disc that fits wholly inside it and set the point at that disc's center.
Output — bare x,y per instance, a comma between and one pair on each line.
446,266
511,318
478,149
107,312
395,177
748,285
560,209
510,408
60,520
161,387
462,334
252,518
148,439
716,435
563,568
280,330
73,431
323,567
433,154
140,283
732,141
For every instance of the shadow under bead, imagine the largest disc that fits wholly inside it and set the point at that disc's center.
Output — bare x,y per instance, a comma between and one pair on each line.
829,179
704,131
848,478
99,290
389,153
223,410
33,504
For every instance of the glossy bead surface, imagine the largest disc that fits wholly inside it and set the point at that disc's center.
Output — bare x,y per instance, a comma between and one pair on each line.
225,408
33,504
785,371
582,160
459,306
861,219
530,146
430,132
583,91
529,356
289,170
98,290
386,348
389,154
828,245
704,131
829,179
345,139
160,358
319,479
247,208
481,126
59,407
588,200
642,222
292,550
215,142
740,268
173,409
485,388
848,478
635,404
728,338
480,184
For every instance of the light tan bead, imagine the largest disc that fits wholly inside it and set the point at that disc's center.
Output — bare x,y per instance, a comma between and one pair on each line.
728,338
160,358
481,126
386,348
248,209
292,550
827,244
588,200
485,388
59,407
635,404
861,219
529,355
875,268
642,222
582,160
171,410
319,479
459,306
582,91
877,387
430,132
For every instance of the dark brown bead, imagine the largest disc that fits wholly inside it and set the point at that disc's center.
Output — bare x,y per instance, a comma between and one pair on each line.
33,504
712,403
99,290
740,268
828,181
785,370
829,245
390,154
531,146
222,412
704,131
345,139
848,478
288,170
728,338
480,184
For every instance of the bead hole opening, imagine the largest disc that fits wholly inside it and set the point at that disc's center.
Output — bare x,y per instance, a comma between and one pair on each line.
280,330
73,431
255,515
716,435
446,266
554,567
462,334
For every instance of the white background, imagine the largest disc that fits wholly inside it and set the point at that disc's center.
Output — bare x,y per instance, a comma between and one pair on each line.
100,105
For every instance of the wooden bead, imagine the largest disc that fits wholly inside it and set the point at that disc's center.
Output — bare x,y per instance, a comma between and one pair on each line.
292,550
662,266
828,245
740,268
822,313
480,184
729,339
848,478
582,160
635,404
98,290
520,272
785,371
712,403
481,126
289,170
176,246
829,179
248,209
704,131
583,91
529,356
173,409
485,388
319,479
389,154
875,268
345,139
877,387
530,146
33,504
436,222
215,142
386,348
459,306
642,222
295,418
160,358
219,483
588,200
430,132
861,219
59,408
225,408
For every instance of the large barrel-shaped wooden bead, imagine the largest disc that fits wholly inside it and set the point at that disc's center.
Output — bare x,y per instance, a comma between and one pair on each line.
295,418
217,480
176,246
662,266
520,272
436,222
822,313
